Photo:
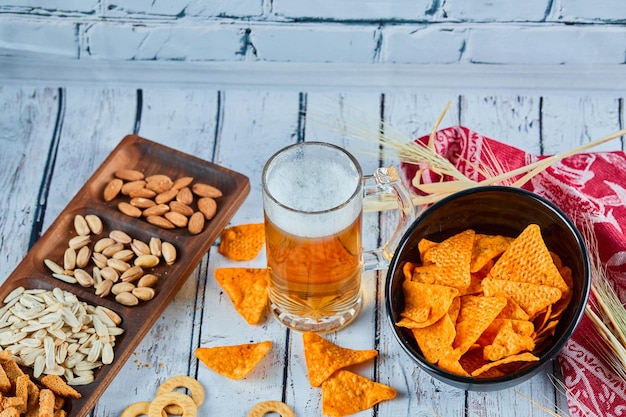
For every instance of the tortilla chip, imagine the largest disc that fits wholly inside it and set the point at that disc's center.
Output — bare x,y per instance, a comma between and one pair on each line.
425,304
424,245
436,340
242,242
453,256
512,310
486,248
473,360
454,309
247,289
324,357
236,361
346,393
532,298
512,337
476,314
527,259
450,363
522,357
427,274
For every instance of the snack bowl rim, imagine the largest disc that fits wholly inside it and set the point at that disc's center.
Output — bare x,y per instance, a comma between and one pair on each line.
549,353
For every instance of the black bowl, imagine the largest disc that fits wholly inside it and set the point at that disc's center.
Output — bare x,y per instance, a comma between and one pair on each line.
492,210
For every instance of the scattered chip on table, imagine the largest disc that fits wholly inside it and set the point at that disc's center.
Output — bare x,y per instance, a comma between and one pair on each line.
247,289
323,357
346,393
235,361
242,242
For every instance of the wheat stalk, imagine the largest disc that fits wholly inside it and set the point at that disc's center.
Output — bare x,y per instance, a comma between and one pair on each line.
605,309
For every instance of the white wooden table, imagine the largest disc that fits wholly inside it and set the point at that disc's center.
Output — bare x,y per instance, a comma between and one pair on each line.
52,139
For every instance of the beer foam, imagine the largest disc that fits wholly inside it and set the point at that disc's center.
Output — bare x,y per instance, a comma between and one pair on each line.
307,190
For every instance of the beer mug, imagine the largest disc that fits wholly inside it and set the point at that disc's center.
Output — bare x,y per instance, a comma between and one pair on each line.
313,195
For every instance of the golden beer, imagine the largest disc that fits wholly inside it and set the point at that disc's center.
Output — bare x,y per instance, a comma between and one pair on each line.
315,277
313,203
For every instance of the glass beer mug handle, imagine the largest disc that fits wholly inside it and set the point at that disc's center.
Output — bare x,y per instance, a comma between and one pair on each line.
387,181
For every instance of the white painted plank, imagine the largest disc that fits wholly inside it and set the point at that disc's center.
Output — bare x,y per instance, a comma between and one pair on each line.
513,120
94,121
571,121
27,122
345,120
253,125
411,115
183,119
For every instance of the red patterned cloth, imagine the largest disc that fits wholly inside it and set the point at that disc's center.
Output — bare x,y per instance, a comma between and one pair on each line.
591,183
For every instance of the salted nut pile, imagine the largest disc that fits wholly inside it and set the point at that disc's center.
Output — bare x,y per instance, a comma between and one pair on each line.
119,262
163,202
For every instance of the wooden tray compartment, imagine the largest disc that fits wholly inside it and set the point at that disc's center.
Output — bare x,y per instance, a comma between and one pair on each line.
151,158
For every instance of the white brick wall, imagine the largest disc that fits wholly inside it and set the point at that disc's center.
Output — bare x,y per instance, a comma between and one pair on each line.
420,32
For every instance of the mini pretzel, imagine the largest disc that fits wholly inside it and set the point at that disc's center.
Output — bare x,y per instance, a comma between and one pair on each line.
265,407
185,402
138,409
195,389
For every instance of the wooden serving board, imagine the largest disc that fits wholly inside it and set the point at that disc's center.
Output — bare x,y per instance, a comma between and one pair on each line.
150,158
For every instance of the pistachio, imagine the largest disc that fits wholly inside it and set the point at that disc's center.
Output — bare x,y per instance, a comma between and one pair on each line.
155,246
110,274
99,259
113,249
102,244
69,258
124,255
95,223
80,225
104,288
146,261
132,274
127,299
79,241
148,280
121,237
169,253
121,287
83,277
97,276
82,257
118,265
143,293
140,247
